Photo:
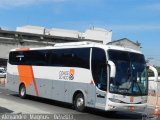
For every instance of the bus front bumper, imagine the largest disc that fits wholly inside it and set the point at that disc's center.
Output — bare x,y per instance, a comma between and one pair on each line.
111,106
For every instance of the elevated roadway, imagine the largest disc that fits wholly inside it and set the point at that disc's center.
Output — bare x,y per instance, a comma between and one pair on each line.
13,39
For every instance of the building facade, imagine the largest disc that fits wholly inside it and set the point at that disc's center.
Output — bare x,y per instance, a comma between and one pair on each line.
32,36
126,43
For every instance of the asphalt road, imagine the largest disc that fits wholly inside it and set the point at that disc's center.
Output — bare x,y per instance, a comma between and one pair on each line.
11,103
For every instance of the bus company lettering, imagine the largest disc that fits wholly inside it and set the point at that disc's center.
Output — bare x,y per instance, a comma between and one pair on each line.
67,75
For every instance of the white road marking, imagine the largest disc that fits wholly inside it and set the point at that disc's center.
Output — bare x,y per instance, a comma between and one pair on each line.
18,107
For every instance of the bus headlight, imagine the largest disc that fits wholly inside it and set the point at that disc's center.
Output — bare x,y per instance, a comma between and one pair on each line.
114,100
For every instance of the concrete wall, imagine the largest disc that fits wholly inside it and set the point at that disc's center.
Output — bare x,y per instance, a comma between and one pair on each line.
98,34
31,29
5,48
95,34
64,33
126,43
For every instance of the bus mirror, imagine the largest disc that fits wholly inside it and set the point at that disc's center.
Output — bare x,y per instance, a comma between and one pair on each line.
112,69
155,73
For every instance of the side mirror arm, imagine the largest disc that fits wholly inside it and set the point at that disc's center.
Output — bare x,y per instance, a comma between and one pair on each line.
155,73
112,69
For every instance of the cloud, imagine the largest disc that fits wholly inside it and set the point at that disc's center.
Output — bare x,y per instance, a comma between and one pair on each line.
152,7
16,3
5,28
155,7
136,27
13,3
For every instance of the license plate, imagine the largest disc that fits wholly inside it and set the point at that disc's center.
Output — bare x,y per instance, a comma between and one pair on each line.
131,107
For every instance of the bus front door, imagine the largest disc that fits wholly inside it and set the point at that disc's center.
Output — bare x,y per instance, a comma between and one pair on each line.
100,99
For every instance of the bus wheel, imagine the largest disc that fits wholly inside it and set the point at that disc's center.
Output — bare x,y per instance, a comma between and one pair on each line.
22,91
79,102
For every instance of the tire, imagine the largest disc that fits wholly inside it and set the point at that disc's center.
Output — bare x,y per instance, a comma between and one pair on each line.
22,91
79,102
111,112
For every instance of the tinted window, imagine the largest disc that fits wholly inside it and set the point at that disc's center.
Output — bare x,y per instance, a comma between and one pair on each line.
99,68
118,55
131,76
125,56
16,58
37,57
76,57
135,57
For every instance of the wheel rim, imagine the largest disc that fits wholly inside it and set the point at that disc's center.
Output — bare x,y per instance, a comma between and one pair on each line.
80,102
23,91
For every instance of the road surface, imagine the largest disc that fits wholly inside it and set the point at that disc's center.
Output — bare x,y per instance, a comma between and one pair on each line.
10,102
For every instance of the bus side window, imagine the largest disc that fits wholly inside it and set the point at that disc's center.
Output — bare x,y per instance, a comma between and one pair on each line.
16,58
36,57
99,68
74,57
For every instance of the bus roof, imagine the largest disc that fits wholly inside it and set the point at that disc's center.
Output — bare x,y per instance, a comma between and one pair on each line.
79,45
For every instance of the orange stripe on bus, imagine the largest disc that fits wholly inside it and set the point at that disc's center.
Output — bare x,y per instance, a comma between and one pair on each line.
26,76
34,82
22,49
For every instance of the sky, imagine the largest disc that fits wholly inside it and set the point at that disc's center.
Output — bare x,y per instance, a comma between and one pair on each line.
137,20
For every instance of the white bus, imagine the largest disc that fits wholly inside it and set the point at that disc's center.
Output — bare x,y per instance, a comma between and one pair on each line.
105,77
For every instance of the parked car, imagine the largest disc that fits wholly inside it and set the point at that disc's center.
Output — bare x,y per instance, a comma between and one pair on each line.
2,72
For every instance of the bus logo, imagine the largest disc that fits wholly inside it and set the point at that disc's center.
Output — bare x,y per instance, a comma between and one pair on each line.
67,75
71,72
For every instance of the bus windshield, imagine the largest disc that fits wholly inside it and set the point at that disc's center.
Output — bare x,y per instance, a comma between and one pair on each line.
131,74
